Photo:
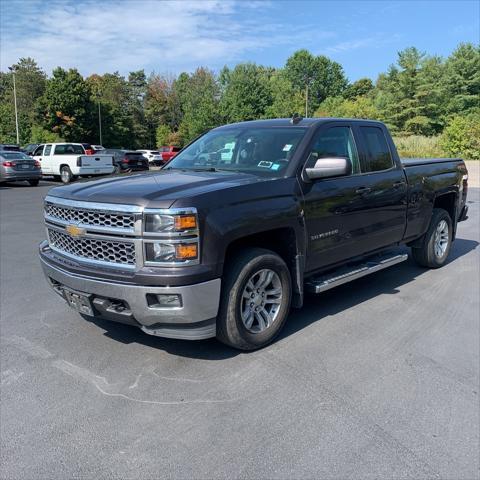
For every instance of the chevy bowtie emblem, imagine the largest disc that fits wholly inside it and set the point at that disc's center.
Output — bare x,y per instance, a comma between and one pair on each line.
75,231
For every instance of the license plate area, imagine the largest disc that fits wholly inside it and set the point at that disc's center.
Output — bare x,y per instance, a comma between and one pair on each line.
78,301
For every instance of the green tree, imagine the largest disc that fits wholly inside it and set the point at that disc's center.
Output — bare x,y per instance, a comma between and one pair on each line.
461,137
199,97
359,88
462,79
143,134
408,94
30,85
360,107
66,107
163,135
285,99
316,77
246,92
111,92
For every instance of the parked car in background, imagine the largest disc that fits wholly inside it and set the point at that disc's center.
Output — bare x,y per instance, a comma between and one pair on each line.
9,147
18,167
89,150
67,161
30,148
127,160
168,152
153,157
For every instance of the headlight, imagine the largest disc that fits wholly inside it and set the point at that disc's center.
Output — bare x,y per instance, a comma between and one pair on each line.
170,252
166,223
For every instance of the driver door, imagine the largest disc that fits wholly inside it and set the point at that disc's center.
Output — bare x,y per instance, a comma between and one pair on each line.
336,216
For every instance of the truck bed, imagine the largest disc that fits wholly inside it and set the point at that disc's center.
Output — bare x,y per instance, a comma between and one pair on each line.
411,162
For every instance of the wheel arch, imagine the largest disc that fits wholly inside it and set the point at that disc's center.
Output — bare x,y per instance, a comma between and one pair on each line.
284,242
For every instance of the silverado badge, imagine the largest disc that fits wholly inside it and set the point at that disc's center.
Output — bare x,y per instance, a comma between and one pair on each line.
75,231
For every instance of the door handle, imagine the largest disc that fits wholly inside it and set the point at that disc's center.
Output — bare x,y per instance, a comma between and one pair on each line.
363,190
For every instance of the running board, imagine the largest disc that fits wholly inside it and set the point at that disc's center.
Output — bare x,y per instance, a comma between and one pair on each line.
347,274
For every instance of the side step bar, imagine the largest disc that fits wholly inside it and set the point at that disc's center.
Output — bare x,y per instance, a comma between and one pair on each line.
347,274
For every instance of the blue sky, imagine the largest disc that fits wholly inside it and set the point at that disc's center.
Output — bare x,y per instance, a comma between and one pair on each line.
169,37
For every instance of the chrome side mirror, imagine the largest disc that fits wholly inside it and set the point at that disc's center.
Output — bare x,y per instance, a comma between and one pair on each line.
329,167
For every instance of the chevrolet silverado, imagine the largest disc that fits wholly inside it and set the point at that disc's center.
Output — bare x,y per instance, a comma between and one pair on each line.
223,246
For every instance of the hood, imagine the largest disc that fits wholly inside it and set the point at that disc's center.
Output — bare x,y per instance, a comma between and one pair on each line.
153,189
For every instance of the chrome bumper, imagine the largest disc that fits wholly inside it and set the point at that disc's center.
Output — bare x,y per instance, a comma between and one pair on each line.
195,319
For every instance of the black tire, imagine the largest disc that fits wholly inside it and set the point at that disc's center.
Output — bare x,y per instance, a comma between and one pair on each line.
230,327
34,183
66,175
116,170
426,255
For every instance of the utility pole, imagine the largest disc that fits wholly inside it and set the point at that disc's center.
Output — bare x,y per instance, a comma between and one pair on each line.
12,69
100,121
306,101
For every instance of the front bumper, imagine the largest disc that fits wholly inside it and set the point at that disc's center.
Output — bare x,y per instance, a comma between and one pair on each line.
195,319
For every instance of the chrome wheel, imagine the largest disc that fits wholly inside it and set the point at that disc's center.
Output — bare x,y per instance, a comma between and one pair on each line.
65,175
261,300
441,239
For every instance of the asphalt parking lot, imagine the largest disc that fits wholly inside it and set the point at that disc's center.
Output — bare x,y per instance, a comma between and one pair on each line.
376,379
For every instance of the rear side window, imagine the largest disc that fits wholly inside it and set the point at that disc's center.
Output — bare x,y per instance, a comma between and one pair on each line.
377,151
48,149
69,149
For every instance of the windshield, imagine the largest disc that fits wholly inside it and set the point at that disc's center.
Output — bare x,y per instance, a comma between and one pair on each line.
261,151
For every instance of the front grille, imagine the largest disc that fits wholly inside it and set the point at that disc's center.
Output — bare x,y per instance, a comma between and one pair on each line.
92,249
90,217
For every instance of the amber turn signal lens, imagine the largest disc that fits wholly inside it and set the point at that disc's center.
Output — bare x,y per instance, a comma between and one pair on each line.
186,251
185,222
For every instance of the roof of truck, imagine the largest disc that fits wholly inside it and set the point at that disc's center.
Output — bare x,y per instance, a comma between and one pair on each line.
300,122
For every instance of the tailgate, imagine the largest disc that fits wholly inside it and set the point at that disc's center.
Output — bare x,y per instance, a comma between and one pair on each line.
95,161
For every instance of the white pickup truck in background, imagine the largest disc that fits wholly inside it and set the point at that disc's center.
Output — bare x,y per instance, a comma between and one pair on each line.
68,161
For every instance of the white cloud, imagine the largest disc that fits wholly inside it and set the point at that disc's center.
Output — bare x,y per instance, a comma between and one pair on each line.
130,35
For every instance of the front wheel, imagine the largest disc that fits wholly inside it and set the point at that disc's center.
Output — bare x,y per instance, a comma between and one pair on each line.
255,301
437,242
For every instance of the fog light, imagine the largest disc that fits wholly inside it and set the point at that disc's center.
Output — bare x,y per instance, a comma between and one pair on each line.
164,300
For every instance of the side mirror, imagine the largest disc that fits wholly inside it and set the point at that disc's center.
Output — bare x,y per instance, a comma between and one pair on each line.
329,167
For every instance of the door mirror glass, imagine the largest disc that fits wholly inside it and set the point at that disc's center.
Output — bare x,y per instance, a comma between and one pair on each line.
329,167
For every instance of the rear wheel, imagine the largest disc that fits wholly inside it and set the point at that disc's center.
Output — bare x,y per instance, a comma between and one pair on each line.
437,241
34,183
116,169
66,174
255,301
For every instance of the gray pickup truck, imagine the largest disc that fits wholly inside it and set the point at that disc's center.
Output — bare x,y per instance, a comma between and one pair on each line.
223,241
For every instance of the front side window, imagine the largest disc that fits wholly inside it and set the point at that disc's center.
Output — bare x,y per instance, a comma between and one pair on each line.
378,155
48,149
264,151
335,142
